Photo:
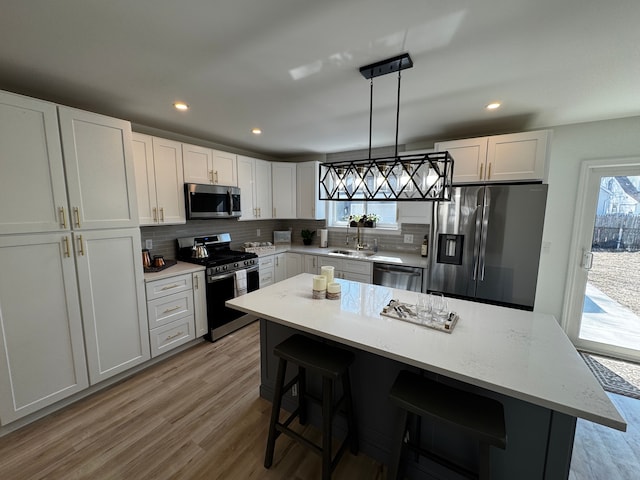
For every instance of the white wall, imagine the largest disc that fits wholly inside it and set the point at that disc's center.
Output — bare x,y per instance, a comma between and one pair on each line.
571,145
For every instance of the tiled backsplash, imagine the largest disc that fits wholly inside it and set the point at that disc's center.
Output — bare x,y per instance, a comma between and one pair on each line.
164,237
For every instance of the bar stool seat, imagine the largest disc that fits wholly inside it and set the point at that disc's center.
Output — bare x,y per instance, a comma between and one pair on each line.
476,416
332,364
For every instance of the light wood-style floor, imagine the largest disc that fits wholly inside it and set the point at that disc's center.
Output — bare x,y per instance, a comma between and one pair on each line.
198,415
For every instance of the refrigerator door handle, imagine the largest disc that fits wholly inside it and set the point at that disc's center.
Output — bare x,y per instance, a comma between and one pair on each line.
485,227
476,241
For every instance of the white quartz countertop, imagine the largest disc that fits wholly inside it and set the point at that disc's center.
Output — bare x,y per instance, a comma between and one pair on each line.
525,355
398,258
179,269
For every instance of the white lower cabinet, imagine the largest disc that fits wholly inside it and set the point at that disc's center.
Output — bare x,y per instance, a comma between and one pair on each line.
170,305
280,267
311,264
110,280
294,264
267,270
355,270
42,356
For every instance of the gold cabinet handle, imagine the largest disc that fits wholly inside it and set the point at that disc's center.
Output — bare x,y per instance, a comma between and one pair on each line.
169,337
489,172
169,287
80,245
162,214
63,218
195,283
259,212
481,167
76,213
169,310
155,214
211,176
67,251
216,172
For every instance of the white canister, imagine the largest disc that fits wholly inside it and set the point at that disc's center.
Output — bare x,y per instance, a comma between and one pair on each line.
327,272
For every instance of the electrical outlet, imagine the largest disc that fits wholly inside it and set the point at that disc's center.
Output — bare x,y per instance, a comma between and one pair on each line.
257,232
148,244
408,238
294,390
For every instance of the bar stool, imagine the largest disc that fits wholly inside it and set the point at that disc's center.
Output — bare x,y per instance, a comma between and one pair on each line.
331,363
477,416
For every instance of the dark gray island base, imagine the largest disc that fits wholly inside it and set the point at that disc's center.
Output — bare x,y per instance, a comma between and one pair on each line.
539,440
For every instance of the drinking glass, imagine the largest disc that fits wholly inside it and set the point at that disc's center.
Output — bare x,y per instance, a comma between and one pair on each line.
439,306
423,307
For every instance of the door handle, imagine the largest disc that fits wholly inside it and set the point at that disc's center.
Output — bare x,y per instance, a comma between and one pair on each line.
162,214
67,251
76,212
63,218
80,246
481,168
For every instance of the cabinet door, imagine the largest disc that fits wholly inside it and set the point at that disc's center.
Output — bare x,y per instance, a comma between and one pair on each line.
284,189
295,264
469,158
280,267
200,302
98,158
114,311
32,174
264,202
223,168
246,175
308,204
197,164
167,161
42,358
518,156
145,179
336,263
311,264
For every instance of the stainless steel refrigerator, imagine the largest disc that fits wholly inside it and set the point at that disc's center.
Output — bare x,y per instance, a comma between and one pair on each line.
486,243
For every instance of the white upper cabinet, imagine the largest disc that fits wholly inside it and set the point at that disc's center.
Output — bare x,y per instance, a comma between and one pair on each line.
206,166
499,158
114,313
98,159
308,204
283,177
159,180
254,180
31,169
42,357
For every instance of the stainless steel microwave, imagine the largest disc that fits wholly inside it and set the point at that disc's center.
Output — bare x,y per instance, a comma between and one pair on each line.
211,201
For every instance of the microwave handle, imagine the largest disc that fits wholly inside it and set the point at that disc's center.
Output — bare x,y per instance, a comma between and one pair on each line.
230,212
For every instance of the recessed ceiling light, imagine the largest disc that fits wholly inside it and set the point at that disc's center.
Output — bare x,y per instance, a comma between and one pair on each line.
256,131
181,106
493,106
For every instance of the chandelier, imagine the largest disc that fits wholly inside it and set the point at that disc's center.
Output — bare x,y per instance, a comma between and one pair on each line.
406,177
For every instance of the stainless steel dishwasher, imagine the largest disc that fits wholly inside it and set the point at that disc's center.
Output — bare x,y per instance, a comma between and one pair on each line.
397,276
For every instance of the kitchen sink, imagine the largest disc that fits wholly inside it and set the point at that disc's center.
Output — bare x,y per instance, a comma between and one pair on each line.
352,253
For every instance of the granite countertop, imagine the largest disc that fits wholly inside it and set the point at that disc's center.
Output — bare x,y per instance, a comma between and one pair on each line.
394,257
525,355
179,269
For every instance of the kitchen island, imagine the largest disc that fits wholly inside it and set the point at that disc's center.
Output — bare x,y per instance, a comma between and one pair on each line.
521,358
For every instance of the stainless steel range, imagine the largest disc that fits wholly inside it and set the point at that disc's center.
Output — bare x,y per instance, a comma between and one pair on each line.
229,273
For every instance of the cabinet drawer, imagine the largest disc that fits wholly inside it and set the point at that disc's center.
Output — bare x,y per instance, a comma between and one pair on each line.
167,286
171,335
357,277
354,266
167,309
266,277
266,262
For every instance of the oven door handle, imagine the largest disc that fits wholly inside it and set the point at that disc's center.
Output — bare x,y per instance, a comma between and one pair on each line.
223,276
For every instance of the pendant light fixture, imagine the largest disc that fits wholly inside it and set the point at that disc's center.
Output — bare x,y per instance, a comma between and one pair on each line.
399,178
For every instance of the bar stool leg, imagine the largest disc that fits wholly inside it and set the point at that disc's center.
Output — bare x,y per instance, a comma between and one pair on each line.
398,446
275,413
351,420
327,422
302,389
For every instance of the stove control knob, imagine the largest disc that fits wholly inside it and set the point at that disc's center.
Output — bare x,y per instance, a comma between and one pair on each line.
224,267
236,265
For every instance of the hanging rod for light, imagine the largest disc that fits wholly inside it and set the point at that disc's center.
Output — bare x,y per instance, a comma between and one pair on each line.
401,177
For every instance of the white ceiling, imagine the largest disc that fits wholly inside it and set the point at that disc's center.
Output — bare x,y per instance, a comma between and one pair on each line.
290,67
